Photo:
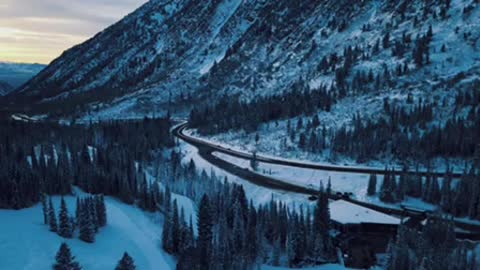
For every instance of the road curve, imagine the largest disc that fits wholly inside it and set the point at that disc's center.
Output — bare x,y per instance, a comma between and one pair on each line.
179,132
205,150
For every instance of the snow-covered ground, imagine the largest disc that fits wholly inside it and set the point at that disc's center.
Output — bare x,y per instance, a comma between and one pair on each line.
356,183
26,243
259,195
345,212
342,182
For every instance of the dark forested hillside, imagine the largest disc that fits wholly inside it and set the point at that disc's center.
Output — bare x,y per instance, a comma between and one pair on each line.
49,158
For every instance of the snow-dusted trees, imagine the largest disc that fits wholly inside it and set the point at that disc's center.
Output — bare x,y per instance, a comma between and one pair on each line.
90,215
433,248
232,113
126,263
461,199
99,158
234,234
65,260
65,228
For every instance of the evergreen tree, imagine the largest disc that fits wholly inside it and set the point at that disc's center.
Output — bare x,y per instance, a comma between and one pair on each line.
205,236
254,161
372,185
323,246
167,241
387,190
176,229
51,216
86,226
65,260
45,209
101,210
126,263
65,226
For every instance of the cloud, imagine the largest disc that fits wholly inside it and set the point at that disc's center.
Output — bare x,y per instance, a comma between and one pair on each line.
38,31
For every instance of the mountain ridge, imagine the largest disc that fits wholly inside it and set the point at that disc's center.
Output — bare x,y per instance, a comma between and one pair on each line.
168,55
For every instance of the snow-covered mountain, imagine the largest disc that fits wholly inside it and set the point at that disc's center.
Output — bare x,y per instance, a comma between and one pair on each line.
168,55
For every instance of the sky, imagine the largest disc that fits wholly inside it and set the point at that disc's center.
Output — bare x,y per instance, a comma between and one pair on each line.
38,31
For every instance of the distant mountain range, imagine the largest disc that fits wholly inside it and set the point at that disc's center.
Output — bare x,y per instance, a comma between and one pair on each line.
5,88
13,75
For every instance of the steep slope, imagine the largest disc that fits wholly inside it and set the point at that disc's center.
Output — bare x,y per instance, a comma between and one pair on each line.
168,55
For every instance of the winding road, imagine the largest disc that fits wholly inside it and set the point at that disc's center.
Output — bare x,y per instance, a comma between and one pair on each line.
179,132
205,150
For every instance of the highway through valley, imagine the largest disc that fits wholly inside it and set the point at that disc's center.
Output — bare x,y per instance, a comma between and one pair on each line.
206,149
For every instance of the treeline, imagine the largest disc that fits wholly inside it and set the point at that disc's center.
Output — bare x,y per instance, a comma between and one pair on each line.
232,113
38,158
459,198
232,233
433,248
400,136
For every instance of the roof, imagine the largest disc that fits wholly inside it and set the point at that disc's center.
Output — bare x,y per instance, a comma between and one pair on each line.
345,212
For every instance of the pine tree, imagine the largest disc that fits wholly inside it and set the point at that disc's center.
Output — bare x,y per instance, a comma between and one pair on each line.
329,186
93,213
176,229
45,209
101,210
65,228
387,188
167,241
78,210
372,185
321,226
251,237
205,234
52,217
65,260
87,228
254,161
126,263
401,188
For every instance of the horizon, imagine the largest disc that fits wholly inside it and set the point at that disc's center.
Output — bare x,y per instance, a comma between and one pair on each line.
37,33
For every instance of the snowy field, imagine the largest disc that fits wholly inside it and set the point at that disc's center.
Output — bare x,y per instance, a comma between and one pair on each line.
26,243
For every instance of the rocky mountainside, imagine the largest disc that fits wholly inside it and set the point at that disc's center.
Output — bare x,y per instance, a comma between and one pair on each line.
169,55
